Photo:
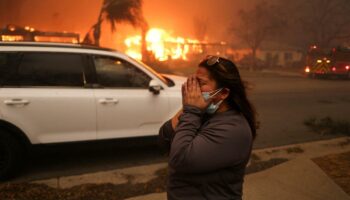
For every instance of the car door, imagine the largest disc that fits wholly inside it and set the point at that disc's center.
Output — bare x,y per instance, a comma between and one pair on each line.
45,97
125,106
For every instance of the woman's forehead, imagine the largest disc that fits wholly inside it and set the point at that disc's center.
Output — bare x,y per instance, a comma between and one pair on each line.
202,73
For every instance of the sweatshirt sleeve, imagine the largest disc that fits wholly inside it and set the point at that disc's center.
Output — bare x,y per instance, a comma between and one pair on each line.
218,145
165,136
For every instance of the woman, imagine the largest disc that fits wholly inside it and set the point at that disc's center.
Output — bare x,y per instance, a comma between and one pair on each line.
210,139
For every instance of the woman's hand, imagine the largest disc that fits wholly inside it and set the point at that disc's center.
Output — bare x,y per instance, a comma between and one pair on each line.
192,95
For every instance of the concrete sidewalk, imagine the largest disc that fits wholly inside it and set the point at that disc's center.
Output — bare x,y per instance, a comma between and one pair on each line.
298,178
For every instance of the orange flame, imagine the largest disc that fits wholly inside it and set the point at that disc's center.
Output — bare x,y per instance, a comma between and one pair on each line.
162,45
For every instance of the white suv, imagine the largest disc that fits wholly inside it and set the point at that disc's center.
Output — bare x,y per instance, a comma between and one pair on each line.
54,93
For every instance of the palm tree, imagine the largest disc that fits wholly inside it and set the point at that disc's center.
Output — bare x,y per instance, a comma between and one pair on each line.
114,12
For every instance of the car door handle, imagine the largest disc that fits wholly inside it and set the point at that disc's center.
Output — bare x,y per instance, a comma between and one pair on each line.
108,101
16,102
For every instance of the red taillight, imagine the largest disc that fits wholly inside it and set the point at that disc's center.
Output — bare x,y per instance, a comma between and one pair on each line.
334,69
347,67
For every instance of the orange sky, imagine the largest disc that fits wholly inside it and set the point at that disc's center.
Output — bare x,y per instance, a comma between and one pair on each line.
173,15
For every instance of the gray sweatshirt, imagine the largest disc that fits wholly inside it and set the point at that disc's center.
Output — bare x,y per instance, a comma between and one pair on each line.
208,154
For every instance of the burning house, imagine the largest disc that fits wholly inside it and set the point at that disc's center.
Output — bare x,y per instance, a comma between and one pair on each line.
162,46
12,33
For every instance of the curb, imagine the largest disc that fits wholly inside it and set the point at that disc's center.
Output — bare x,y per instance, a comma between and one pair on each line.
283,73
143,174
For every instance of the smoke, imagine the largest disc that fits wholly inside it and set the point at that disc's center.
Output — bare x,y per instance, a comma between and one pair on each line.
179,15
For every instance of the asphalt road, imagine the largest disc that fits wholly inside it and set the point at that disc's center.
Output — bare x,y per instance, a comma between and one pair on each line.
283,103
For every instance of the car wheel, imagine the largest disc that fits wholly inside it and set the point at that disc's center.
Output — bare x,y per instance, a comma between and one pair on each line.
11,155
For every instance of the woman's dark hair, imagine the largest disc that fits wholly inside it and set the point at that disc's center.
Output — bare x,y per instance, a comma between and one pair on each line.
226,74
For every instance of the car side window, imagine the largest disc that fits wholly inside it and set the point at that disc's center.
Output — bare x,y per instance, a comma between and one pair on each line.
51,69
114,72
8,69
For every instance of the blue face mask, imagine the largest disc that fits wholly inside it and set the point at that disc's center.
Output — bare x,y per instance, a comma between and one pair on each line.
212,108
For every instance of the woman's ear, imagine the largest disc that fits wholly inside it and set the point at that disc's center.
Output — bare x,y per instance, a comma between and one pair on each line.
225,93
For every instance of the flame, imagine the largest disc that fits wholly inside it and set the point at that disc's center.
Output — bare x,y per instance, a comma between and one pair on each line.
163,45
131,42
11,38
56,39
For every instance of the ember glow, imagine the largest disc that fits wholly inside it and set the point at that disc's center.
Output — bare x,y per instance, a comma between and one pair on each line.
11,38
163,45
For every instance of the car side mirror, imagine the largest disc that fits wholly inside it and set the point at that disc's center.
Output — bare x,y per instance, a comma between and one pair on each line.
154,86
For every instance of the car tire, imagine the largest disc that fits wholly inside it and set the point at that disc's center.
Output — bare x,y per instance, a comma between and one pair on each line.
11,155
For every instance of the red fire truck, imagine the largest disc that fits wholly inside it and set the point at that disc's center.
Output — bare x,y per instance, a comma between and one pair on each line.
328,63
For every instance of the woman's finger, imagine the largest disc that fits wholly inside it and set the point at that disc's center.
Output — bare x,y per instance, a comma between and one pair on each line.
188,87
197,88
183,90
188,82
186,91
193,83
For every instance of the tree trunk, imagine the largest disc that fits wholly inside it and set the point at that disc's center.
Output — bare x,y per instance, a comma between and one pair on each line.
87,39
97,28
96,31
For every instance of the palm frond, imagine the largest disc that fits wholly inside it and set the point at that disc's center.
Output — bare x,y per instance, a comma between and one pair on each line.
123,11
